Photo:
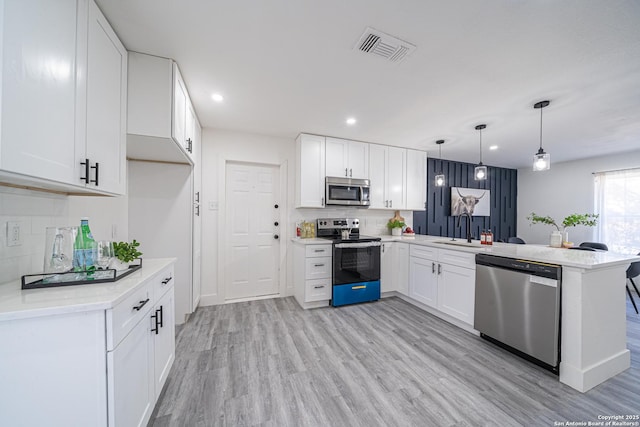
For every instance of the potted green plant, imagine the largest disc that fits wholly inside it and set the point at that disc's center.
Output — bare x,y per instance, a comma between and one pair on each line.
561,236
395,225
124,253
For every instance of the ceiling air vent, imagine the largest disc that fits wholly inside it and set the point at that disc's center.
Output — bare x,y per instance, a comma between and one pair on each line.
381,44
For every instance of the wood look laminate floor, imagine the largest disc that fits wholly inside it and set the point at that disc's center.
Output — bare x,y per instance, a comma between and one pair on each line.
387,363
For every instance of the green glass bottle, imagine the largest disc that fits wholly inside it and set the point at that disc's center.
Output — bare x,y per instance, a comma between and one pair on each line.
84,248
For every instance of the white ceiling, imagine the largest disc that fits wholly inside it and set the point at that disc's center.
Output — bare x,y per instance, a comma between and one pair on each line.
288,66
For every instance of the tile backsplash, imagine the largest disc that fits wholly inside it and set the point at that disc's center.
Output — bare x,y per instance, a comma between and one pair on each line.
34,211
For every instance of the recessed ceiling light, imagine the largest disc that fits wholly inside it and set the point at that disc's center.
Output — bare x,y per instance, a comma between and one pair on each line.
351,121
493,147
217,97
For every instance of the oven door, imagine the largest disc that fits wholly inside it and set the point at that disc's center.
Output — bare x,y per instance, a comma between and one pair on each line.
356,262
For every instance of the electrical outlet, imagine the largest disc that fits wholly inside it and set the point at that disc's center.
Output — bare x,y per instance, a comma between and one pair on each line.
14,234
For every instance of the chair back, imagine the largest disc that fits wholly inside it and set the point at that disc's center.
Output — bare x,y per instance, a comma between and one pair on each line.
516,240
594,245
634,269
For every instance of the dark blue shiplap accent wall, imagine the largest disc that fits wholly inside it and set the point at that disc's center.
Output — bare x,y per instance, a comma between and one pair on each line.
437,219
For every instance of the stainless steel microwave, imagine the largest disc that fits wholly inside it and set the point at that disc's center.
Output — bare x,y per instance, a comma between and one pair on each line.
347,191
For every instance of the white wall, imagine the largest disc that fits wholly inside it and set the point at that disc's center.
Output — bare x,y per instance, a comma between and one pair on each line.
219,146
35,211
564,189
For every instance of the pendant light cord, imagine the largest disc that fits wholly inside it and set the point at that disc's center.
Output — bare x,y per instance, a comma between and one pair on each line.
480,146
541,128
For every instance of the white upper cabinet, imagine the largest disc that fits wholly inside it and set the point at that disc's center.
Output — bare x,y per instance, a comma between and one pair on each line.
63,97
387,166
347,158
161,119
106,102
416,180
310,171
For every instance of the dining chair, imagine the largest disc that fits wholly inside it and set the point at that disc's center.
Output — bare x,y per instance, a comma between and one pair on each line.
583,248
516,240
594,245
633,271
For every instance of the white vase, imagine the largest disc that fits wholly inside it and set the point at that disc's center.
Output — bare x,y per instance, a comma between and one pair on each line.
565,236
555,240
396,231
118,265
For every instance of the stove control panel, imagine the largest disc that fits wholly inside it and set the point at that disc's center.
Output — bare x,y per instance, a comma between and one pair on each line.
338,223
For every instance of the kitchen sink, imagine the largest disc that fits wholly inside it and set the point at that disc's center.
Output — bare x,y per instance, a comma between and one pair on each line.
474,243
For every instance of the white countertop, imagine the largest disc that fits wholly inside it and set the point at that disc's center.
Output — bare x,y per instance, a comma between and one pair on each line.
540,253
16,303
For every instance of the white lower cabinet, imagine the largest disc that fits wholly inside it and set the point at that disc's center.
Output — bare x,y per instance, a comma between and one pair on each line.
164,341
130,372
141,344
444,280
312,274
401,252
423,281
388,277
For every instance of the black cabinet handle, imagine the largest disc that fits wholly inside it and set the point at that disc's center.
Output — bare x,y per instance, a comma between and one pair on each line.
276,223
190,145
197,197
142,304
318,287
276,237
96,167
433,267
159,312
197,210
85,178
439,269
167,280
155,321
318,265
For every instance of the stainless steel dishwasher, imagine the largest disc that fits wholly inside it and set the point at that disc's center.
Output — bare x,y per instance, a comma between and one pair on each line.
518,307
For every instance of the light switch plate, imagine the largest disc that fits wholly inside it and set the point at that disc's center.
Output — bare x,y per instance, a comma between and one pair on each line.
14,233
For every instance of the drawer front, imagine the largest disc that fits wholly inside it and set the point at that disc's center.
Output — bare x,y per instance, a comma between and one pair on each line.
318,250
461,259
317,290
162,282
317,268
123,317
423,252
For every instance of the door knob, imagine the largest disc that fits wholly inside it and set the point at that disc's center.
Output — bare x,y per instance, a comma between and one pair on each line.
275,236
276,223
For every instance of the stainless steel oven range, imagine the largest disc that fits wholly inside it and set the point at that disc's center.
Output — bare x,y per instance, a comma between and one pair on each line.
356,261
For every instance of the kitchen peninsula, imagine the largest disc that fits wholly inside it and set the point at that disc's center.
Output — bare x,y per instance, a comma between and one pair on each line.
593,320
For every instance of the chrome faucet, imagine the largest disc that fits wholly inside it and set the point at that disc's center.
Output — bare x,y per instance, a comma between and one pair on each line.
468,225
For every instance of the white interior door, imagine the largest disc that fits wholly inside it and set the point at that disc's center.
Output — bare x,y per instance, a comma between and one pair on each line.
252,253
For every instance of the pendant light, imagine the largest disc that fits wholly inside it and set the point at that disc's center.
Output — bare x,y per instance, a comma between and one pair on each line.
541,160
440,178
480,172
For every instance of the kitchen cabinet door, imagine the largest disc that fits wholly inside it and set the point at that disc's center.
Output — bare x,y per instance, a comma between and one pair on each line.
337,157
423,281
130,384
416,180
402,267
310,171
388,278
106,102
358,160
395,178
38,78
378,156
180,99
456,292
163,319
